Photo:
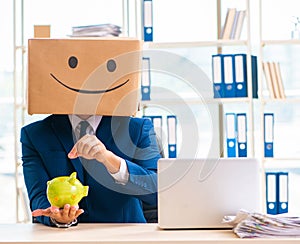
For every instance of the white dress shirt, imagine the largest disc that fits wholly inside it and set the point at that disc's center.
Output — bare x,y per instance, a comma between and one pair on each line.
122,175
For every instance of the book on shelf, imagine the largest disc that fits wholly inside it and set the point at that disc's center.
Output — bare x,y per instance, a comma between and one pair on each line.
233,24
99,30
267,72
274,80
279,80
226,30
237,28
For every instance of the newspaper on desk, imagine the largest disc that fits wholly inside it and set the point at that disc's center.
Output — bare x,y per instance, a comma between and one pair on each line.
253,225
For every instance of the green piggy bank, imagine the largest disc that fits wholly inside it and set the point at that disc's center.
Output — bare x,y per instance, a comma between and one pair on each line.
65,190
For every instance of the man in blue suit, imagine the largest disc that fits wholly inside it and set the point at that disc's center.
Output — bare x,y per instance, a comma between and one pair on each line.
117,159
82,79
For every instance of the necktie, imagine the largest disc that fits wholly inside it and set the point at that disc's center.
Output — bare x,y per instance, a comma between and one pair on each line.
83,126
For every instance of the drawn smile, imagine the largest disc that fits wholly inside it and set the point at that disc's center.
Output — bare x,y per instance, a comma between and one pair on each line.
88,91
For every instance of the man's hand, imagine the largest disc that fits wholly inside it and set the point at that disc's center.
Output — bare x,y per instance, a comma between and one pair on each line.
65,215
90,147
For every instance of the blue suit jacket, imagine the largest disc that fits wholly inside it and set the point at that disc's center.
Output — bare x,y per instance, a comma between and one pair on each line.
46,143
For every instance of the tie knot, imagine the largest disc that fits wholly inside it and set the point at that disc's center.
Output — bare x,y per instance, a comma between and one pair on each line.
83,126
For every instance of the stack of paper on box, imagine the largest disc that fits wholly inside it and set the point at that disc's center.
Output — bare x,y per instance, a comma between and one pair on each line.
250,225
96,30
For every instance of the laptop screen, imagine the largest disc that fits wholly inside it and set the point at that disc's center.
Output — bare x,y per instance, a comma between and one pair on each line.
198,193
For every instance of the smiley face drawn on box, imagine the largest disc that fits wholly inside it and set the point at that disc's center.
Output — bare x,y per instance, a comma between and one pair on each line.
73,62
83,76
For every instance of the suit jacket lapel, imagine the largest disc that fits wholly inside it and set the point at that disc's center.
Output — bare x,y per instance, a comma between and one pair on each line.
63,130
107,129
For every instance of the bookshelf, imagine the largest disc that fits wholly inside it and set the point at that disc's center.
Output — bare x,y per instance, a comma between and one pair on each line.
264,46
280,47
207,45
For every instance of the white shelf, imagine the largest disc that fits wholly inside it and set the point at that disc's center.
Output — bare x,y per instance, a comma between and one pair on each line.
281,163
195,101
216,43
280,42
23,49
281,100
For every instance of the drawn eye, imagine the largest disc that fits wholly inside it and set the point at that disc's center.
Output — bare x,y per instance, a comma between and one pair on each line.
111,65
73,61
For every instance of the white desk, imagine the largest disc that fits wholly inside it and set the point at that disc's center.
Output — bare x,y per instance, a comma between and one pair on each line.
121,233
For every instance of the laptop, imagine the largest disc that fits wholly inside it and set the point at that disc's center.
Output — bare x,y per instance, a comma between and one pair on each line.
198,193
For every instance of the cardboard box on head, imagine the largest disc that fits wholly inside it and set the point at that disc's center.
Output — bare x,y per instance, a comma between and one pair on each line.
84,76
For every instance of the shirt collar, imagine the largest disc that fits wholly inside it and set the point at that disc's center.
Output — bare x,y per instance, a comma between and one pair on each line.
94,121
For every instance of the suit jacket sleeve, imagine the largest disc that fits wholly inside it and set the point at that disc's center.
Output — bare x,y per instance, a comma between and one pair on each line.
142,165
35,176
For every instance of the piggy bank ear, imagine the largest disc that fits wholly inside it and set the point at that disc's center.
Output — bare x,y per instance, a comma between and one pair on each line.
72,178
73,175
48,182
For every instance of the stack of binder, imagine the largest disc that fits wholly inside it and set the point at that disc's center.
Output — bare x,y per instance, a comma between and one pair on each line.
236,134
230,75
277,192
157,121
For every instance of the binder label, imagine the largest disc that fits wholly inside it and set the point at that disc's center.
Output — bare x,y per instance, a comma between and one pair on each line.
231,134
172,138
242,134
148,22
269,134
145,79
